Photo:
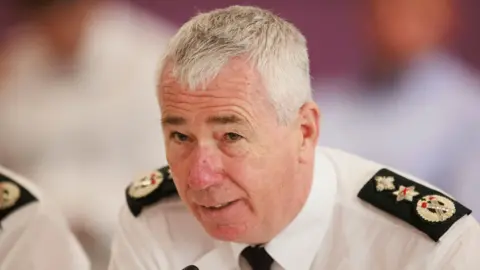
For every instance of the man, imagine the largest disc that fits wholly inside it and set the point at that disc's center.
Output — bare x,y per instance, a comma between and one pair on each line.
78,69
414,105
254,190
33,234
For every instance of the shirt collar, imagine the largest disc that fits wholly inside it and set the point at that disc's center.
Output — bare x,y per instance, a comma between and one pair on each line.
296,246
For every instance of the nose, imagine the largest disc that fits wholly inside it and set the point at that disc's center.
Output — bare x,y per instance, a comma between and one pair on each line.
205,169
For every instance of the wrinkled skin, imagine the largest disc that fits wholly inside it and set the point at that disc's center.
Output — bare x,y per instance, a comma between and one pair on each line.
225,145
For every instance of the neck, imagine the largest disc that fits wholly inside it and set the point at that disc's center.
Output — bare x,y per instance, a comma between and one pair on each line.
299,194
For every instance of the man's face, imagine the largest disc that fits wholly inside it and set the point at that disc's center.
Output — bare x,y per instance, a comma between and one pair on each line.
62,24
233,164
403,28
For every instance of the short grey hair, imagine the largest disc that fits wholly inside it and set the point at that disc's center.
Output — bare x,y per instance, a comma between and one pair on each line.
275,48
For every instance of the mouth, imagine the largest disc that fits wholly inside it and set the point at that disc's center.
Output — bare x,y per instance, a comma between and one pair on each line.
218,206
228,213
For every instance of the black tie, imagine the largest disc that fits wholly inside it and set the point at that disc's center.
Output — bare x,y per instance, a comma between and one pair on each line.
191,267
257,257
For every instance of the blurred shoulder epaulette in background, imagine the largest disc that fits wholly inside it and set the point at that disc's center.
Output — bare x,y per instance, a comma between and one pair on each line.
13,196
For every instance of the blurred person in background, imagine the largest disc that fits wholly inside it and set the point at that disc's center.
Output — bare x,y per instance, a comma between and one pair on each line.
415,106
30,221
77,106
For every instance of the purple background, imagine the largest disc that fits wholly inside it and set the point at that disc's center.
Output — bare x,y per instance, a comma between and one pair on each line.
332,27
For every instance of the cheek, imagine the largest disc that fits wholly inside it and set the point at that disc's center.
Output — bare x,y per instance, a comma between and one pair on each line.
250,174
237,150
178,153
174,153
180,179
178,167
238,170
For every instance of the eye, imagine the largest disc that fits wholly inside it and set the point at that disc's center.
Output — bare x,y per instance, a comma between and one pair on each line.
232,137
178,137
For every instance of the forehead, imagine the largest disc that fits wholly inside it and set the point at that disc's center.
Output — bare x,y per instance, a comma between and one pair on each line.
237,84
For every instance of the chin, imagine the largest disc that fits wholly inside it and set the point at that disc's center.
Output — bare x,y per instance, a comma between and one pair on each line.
226,233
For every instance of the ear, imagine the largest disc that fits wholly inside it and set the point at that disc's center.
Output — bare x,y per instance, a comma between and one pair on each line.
309,123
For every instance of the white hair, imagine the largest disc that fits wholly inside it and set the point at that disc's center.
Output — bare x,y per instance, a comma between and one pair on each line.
275,48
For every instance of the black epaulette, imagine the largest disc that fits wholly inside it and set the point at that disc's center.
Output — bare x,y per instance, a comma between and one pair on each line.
14,196
150,189
428,210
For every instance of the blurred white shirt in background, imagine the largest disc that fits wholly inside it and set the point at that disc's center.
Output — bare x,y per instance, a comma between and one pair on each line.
84,133
426,121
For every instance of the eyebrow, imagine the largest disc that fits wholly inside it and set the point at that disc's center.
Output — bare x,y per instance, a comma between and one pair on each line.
223,119
173,120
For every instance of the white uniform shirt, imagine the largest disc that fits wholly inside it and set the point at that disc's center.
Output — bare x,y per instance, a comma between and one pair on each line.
334,230
35,236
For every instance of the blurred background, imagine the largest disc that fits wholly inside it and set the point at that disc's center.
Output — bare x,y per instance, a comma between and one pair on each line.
396,81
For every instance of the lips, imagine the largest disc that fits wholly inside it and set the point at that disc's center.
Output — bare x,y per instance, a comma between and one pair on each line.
233,212
218,206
